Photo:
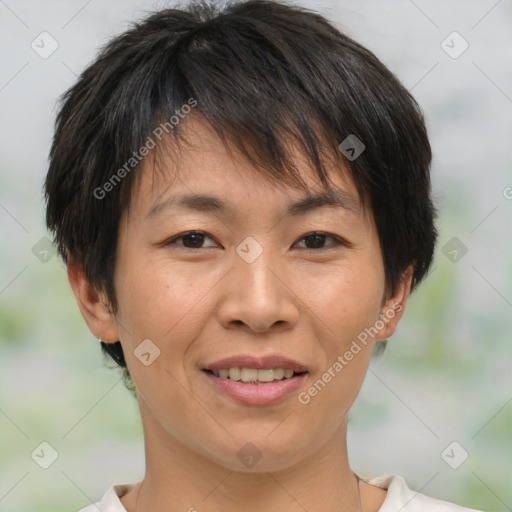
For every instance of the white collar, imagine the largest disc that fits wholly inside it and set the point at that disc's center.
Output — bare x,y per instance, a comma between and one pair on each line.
399,497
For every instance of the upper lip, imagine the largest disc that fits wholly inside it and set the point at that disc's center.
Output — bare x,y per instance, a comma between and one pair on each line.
260,363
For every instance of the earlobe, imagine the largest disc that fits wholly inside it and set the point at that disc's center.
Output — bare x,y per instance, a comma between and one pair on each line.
394,306
92,305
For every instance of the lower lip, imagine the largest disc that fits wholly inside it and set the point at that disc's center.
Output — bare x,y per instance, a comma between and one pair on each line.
256,394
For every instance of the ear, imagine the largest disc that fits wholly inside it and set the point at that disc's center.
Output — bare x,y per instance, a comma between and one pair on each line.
394,306
92,304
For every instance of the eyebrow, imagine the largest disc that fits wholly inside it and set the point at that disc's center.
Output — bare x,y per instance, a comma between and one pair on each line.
211,204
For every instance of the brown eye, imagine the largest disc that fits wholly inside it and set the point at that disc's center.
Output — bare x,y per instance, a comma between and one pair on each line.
190,240
317,240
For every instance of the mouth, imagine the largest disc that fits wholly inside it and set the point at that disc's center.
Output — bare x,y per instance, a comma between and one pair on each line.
255,387
255,380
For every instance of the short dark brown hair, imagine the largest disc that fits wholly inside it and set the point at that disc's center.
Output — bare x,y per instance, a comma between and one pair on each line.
260,72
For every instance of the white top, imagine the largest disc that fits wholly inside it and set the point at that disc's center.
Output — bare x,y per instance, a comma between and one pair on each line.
399,498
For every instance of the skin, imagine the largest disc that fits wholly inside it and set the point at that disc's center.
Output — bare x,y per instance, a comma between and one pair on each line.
201,303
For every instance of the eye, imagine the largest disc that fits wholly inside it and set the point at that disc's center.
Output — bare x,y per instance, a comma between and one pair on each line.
190,239
317,239
196,239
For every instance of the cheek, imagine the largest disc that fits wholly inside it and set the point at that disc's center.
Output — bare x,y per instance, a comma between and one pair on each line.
170,306
346,300
157,300
163,306
346,305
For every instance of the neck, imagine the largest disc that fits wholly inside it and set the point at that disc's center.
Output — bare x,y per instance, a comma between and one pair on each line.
179,479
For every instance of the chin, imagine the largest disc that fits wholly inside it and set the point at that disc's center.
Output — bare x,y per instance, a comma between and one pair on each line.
259,453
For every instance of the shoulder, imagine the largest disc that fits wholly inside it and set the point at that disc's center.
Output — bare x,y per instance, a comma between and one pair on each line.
400,497
110,502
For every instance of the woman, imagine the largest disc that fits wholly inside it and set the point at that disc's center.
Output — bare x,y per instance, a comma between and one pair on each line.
242,199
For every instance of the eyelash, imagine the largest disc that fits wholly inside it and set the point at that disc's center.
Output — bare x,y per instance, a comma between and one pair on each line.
337,241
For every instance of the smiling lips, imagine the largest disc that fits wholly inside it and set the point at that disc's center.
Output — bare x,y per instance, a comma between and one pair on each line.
256,380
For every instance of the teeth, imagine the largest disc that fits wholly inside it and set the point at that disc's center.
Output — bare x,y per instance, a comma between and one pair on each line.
253,374
278,373
249,374
235,374
265,375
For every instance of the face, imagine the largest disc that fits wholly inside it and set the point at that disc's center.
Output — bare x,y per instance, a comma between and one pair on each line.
302,286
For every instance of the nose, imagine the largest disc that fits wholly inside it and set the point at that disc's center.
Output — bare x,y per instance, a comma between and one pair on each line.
258,296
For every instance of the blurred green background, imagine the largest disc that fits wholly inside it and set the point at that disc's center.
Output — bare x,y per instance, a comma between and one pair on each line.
446,374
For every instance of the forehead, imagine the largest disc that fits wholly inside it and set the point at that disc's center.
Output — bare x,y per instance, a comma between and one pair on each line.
203,173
